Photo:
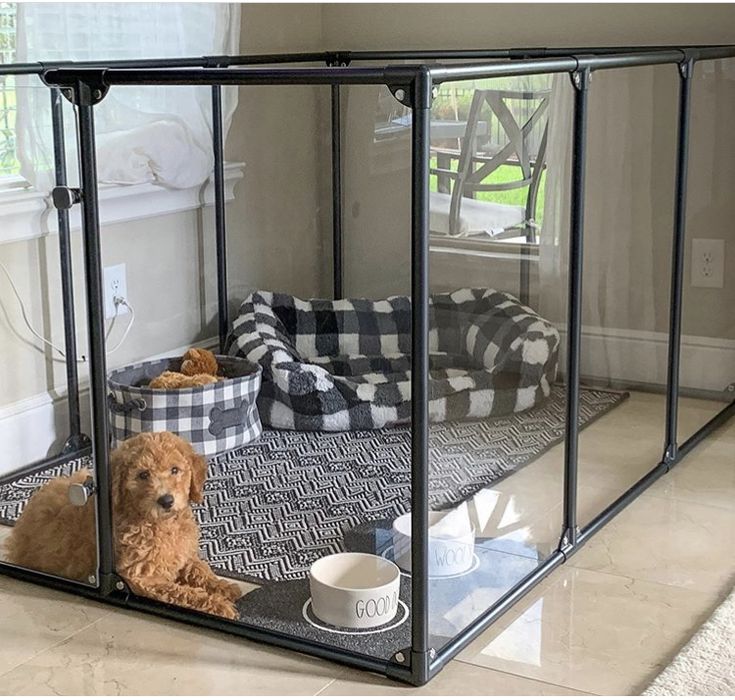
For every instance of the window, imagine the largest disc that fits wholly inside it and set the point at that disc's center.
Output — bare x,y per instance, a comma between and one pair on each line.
143,135
488,157
9,166
488,149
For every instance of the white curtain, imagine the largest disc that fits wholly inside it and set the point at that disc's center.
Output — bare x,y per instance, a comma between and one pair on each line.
157,134
553,241
628,218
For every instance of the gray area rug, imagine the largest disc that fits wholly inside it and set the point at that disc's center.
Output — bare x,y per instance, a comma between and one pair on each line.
276,505
706,665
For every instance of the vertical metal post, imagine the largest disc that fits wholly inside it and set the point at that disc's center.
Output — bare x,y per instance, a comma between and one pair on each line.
76,439
85,98
686,74
524,288
337,283
219,214
420,142
580,80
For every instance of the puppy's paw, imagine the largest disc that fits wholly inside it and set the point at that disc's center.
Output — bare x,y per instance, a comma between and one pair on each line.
230,590
220,606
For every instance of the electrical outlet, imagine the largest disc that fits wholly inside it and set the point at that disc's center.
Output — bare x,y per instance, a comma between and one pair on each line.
708,262
115,285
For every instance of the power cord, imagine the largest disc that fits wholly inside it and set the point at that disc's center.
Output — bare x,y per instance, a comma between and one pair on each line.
118,301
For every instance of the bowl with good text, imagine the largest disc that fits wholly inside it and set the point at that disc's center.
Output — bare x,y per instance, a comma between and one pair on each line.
354,590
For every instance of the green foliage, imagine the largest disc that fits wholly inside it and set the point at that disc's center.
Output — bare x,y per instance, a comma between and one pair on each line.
506,173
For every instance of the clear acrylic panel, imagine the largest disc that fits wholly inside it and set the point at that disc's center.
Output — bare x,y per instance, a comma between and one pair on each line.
627,267
44,439
498,407
298,495
707,374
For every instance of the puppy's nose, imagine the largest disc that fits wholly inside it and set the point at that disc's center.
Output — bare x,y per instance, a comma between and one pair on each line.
166,501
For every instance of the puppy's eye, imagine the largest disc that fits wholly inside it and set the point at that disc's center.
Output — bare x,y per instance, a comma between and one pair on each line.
143,476
175,470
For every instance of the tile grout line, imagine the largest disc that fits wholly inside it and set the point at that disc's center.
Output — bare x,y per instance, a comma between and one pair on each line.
728,585
321,690
690,589
107,613
679,499
527,678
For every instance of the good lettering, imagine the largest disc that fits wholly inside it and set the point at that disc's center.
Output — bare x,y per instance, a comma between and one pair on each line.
376,607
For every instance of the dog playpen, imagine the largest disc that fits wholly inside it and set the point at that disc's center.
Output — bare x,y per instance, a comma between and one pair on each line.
422,651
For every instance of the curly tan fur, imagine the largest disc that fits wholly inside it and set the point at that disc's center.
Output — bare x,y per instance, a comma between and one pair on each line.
54,536
176,380
156,545
199,361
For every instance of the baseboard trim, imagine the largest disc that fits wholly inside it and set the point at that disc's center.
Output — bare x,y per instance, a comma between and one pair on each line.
37,426
634,358
641,358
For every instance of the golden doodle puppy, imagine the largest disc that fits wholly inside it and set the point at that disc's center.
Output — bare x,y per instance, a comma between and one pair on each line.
154,478
54,536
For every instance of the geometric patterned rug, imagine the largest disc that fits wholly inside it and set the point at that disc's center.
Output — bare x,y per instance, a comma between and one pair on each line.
277,504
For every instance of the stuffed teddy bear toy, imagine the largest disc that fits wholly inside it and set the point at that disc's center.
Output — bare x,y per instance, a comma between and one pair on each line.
198,367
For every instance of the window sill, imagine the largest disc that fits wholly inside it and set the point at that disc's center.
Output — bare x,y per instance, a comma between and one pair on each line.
483,248
27,214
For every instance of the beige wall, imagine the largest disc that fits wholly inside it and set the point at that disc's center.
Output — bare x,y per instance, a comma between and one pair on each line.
164,285
488,25
276,228
377,199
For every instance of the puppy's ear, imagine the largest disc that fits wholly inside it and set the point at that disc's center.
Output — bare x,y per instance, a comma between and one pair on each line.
198,476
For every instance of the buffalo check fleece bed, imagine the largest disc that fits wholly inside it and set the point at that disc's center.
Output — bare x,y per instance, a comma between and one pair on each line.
345,364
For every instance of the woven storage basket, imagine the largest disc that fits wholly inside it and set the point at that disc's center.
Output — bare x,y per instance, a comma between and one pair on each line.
213,418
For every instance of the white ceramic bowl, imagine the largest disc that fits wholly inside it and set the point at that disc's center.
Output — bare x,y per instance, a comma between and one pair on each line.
449,554
354,590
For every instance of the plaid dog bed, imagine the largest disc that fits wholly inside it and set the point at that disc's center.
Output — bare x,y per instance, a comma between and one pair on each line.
346,364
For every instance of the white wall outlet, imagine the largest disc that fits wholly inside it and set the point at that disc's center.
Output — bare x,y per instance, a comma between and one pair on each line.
708,262
115,285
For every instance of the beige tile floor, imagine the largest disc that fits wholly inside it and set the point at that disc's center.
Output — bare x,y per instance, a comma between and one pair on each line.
605,623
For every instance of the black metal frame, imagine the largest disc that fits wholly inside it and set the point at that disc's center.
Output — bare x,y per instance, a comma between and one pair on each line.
87,84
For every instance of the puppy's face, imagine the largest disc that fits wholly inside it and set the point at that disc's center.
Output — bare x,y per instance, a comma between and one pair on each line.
155,475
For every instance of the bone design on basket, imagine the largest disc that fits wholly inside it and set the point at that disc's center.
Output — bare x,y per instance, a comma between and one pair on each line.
221,419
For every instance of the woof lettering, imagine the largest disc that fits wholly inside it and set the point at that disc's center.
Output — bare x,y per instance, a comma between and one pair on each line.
452,556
